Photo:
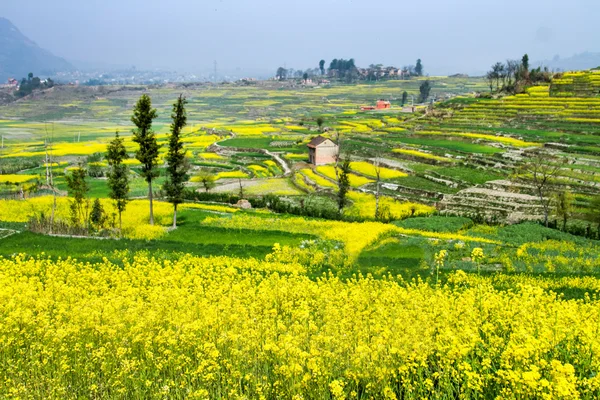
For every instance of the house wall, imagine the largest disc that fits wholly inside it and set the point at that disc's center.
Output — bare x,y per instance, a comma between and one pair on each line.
311,155
325,154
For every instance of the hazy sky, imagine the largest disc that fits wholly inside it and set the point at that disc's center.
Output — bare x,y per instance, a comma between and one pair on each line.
187,35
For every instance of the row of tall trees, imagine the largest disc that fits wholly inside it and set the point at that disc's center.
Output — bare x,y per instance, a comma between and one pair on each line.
147,153
83,214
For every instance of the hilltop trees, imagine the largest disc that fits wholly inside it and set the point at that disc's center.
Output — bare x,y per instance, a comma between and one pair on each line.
419,68
491,78
281,73
27,86
514,75
498,72
343,69
512,68
525,62
322,67
118,175
177,166
147,154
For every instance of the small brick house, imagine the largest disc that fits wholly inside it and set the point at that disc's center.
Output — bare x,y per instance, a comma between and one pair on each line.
383,105
322,151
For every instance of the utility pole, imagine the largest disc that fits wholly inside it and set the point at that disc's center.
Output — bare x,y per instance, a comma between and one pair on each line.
215,71
47,160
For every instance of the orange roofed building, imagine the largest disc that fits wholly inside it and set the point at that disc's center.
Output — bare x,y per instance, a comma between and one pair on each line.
322,151
381,105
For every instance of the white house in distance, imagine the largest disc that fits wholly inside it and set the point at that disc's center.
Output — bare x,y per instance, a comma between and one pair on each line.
322,151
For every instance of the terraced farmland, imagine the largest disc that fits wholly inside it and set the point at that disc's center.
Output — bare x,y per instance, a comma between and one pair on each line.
437,294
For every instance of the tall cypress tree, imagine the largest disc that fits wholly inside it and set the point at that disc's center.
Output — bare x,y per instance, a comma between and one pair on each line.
419,68
177,166
343,184
144,136
118,174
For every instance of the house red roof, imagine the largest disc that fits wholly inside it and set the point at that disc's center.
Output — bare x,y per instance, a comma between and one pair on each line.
319,140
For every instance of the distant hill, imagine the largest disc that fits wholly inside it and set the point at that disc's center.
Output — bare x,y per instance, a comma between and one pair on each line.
19,55
577,62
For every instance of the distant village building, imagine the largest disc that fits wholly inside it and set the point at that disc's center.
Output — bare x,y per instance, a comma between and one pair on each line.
322,151
381,105
10,83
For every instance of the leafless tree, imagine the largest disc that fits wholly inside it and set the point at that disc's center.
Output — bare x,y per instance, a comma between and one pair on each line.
490,77
512,69
498,70
241,193
541,167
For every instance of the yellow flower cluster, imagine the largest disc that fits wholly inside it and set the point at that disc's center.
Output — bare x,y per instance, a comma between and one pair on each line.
209,207
259,170
251,130
492,138
369,170
231,174
301,183
317,179
560,256
363,205
421,154
135,218
204,328
354,235
210,156
355,180
12,178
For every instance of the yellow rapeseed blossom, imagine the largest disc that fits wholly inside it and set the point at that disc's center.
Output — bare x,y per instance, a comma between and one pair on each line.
12,178
135,218
369,170
242,328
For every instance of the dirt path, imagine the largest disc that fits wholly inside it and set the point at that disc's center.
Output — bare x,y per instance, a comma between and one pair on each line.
286,169
218,148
